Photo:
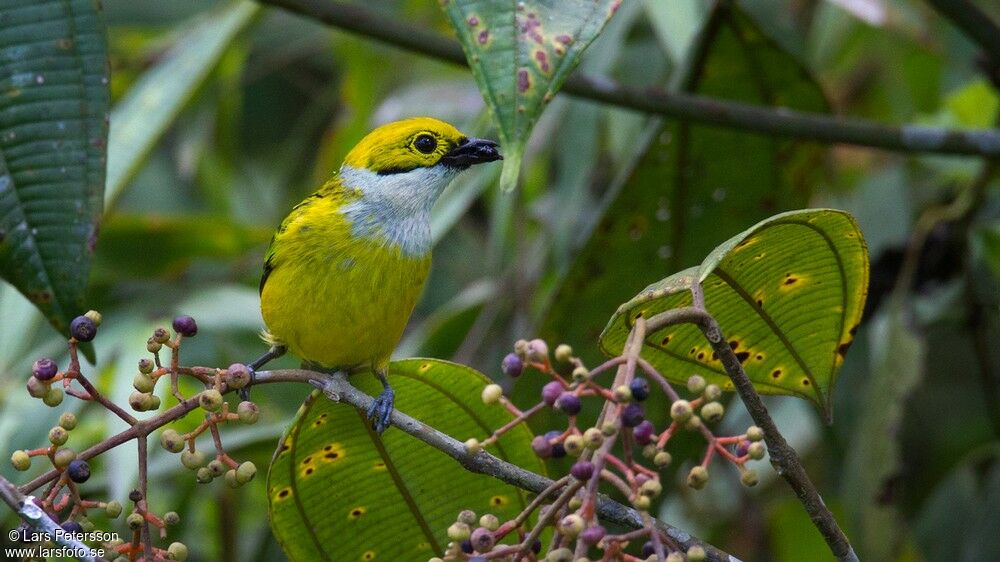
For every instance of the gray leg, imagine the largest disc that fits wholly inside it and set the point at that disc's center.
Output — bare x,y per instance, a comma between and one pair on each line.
380,410
275,352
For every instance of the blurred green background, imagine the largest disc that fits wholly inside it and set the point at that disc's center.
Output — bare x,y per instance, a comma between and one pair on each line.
227,114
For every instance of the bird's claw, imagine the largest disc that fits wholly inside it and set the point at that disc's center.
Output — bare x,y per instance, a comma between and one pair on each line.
380,410
245,391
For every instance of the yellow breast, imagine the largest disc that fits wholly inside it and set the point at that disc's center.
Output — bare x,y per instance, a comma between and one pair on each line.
334,297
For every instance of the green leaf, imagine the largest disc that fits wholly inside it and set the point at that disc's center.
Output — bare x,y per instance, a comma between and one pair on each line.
521,52
691,185
150,106
53,132
339,492
788,294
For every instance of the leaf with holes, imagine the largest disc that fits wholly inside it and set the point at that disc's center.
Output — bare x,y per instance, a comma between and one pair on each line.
788,294
339,492
53,133
521,52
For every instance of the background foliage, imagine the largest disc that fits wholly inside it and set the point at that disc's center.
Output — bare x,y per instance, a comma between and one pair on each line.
226,114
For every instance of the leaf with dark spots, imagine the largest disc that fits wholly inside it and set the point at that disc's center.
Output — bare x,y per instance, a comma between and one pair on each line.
53,130
521,52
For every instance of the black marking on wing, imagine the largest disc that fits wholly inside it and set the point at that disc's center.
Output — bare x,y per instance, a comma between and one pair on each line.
268,268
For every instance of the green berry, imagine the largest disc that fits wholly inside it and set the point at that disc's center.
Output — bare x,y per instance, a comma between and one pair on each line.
143,383
210,400
712,392
581,374
67,421
651,488
172,441
696,384
54,396
246,472
95,317
681,411
237,375
491,394
248,412
749,478
641,503
137,401
161,335
623,394
697,477
171,518
693,423
204,475
756,450
473,446
192,459
489,521
563,353
467,516
63,457
608,429
231,479
21,460
593,438
134,521
153,346
146,366
755,433
650,450
113,509
560,555
538,351
177,551
216,467
662,459
696,554
571,525
152,402
712,412
573,445
58,436
459,531
675,557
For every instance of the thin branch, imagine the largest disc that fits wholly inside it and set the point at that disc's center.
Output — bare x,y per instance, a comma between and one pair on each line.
974,23
337,388
764,120
32,514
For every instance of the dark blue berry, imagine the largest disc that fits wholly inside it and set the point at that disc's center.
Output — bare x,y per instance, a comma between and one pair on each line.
512,366
82,328
582,470
648,549
536,546
185,326
79,471
72,527
643,432
632,415
44,369
569,403
558,451
478,559
467,546
640,389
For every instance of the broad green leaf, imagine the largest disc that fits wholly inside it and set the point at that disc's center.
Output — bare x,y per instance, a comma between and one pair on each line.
141,117
339,492
692,185
788,294
521,52
53,133
875,456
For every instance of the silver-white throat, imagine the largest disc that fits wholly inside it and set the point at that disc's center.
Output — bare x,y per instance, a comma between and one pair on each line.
396,208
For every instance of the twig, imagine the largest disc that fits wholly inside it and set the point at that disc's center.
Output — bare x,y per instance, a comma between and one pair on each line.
974,23
32,514
700,109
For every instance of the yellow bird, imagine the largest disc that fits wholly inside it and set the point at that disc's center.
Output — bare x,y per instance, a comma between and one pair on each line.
347,265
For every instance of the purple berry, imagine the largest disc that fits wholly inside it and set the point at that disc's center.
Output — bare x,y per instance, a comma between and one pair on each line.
536,546
551,392
742,448
640,389
467,546
478,559
643,432
648,549
185,326
592,535
79,471
72,527
482,540
44,369
558,451
569,403
512,366
541,446
582,470
632,415
82,328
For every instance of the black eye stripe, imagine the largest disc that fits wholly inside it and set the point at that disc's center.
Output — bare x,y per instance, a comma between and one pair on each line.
425,143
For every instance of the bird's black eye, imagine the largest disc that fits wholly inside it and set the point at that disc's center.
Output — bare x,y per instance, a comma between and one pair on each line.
425,144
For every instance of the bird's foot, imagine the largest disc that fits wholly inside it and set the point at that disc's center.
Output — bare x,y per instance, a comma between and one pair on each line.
380,410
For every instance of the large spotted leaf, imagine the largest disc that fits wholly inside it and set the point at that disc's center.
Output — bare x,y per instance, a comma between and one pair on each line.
53,132
521,52
788,294
338,492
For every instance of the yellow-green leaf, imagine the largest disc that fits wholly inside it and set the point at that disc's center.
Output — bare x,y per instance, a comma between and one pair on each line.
339,492
788,294
521,52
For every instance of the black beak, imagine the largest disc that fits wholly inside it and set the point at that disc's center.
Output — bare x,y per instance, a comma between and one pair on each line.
471,151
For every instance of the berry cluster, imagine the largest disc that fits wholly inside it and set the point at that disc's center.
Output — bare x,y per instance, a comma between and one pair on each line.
62,499
622,449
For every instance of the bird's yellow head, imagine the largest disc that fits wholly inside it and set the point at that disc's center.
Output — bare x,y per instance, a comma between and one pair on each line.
421,142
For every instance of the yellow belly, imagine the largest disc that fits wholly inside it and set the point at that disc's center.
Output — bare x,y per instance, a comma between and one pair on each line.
341,304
